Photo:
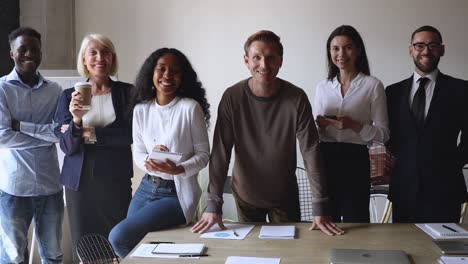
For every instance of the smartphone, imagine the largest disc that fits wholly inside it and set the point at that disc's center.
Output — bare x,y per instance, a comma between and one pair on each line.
331,117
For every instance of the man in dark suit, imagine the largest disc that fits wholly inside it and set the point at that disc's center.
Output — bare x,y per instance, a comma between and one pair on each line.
427,112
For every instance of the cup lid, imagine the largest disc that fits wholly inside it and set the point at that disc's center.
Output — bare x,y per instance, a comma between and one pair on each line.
82,84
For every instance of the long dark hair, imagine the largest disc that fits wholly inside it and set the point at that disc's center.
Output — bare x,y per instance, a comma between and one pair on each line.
190,86
362,64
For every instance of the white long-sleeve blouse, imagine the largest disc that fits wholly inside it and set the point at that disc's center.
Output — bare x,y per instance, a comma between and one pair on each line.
180,126
365,102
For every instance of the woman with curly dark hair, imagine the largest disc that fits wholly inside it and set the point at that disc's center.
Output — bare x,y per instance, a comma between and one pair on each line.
170,114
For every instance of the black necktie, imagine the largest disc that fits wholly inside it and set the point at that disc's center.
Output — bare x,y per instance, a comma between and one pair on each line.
419,102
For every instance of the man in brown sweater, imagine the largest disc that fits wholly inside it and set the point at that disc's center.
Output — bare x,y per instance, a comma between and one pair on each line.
261,117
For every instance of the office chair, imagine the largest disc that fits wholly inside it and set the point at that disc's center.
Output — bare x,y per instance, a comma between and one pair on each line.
305,195
463,212
378,196
378,193
463,209
95,249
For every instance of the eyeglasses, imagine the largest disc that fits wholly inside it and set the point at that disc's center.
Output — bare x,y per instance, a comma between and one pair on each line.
420,46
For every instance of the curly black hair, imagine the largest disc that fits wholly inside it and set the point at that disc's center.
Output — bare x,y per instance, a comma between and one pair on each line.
190,86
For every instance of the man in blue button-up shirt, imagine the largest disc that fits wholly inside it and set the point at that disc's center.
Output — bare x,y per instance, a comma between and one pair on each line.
29,169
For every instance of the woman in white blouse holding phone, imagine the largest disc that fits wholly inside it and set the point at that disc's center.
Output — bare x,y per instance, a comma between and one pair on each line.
170,114
351,112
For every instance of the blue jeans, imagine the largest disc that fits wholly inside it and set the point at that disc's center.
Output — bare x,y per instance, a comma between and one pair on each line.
16,214
151,209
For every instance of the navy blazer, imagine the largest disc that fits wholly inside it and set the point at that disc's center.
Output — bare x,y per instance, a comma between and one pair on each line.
429,161
113,158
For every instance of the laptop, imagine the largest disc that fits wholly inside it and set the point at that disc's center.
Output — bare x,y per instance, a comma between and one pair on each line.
449,247
363,256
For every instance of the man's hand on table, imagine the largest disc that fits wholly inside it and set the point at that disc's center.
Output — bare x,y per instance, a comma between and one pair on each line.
207,221
326,225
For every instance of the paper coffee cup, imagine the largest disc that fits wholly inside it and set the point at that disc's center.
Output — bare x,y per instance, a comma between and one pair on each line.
84,88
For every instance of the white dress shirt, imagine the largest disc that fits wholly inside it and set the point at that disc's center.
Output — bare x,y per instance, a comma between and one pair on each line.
430,85
364,102
180,126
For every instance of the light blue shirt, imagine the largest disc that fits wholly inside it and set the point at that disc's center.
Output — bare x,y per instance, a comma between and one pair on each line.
28,159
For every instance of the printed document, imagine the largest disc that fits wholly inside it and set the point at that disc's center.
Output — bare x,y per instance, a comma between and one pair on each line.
233,231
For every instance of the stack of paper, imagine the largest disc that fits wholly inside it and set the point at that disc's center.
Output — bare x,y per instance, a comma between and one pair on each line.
453,260
178,248
277,232
252,260
444,231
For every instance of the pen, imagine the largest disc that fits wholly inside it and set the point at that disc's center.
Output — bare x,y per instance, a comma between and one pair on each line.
449,228
235,233
193,255
160,242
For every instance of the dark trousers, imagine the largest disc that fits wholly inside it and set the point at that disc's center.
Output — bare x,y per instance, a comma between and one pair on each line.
347,171
289,212
100,203
426,212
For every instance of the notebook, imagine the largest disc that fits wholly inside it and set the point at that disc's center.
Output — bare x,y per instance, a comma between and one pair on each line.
146,250
363,256
277,232
452,247
448,229
179,249
162,156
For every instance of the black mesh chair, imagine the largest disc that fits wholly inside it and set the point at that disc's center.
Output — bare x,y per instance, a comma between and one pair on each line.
378,196
95,249
305,195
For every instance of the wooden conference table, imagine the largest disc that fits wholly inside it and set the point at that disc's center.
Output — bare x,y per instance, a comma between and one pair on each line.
308,246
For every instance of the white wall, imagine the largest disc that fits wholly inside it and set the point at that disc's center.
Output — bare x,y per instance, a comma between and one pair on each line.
212,33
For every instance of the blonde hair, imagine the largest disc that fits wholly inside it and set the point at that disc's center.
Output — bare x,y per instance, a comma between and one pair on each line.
106,42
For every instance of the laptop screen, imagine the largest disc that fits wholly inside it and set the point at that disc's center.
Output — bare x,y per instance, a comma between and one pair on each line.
447,247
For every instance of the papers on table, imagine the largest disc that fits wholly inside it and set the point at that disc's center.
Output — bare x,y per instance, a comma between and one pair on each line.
232,229
168,250
252,260
453,260
144,251
277,232
178,249
449,229
444,231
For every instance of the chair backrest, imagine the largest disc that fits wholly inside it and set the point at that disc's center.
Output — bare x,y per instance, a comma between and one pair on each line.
380,208
95,249
305,194
463,208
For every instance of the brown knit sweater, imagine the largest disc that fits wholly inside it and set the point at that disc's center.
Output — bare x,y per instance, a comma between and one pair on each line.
263,132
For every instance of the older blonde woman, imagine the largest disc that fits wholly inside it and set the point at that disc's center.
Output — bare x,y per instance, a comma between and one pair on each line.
98,163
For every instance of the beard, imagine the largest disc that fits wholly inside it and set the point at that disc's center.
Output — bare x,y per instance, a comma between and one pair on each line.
425,67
